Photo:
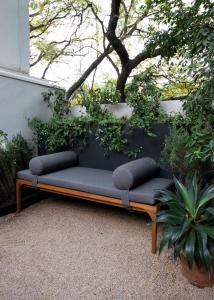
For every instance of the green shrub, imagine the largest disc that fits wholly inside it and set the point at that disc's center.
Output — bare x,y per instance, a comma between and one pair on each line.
190,147
14,156
188,151
174,152
106,94
200,146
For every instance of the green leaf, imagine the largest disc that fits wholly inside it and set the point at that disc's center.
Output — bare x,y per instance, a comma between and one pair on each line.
204,200
164,241
190,248
175,233
209,230
185,196
210,246
178,248
169,218
205,257
210,210
193,189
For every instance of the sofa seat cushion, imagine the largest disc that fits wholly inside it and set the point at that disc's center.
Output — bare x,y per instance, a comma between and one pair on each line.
79,178
149,191
99,182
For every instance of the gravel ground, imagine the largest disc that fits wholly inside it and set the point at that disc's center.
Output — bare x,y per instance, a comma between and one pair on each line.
60,249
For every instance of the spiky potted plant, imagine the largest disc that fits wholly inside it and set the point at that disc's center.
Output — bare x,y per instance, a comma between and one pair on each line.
189,229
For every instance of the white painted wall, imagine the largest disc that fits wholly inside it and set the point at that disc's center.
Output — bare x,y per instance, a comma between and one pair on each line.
119,110
14,35
123,110
21,100
171,106
20,94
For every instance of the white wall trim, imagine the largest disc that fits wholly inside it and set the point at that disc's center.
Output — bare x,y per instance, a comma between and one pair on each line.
24,77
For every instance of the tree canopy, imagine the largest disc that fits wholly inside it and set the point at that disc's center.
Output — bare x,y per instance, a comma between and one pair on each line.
132,35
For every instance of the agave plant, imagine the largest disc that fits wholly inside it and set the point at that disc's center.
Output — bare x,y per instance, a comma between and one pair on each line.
189,223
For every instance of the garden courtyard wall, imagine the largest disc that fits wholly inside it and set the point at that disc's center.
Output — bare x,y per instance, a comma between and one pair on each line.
20,94
123,110
21,99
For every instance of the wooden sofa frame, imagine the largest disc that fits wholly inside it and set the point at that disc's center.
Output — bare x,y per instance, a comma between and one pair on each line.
151,210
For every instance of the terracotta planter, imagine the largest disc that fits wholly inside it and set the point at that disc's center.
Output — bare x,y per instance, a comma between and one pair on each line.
197,276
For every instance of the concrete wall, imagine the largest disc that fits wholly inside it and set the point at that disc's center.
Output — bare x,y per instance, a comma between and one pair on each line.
123,110
14,35
171,107
20,99
20,94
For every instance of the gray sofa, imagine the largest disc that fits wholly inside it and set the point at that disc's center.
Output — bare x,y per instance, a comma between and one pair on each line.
137,181
61,169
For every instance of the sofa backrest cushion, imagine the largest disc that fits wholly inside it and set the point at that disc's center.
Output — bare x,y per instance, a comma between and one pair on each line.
45,164
135,172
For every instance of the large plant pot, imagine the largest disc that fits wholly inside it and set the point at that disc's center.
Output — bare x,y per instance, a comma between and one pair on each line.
197,276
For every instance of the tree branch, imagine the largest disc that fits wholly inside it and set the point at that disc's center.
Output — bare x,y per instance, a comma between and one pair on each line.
114,65
145,54
55,57
92,67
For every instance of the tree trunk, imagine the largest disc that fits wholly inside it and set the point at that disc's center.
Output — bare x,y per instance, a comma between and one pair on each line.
121,82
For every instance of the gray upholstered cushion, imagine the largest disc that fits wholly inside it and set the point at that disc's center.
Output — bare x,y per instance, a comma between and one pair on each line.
149,191
135,172
79,178
52,162
100,182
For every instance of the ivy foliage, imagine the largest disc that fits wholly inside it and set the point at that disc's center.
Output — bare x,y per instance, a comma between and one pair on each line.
107,94
143,96
111,133
56,101
60,131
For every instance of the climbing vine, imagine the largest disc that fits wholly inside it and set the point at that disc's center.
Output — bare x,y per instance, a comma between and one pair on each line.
143,96
111,133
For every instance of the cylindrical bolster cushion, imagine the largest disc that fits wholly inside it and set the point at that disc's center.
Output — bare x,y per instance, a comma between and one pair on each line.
52,162
135,172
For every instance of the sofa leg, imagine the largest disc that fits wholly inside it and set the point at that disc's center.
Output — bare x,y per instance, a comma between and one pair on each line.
18,196
154,233
154,238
